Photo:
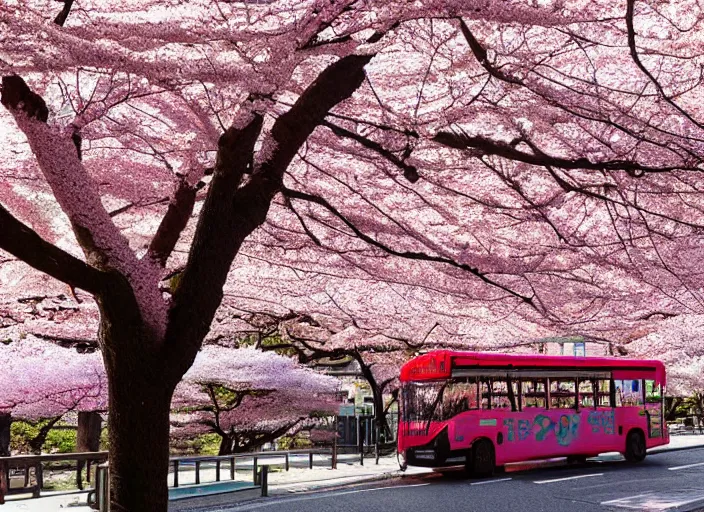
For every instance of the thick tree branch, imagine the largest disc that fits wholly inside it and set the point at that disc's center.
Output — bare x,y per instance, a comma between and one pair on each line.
255,439
173,223
480,54
489,147
61,17
74,189
22,242
82,345
224,224
215,245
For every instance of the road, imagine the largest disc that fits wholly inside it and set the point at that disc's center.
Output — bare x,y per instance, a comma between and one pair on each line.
667,481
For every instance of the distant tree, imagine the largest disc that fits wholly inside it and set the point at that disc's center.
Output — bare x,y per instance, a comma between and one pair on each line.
249,398
41,381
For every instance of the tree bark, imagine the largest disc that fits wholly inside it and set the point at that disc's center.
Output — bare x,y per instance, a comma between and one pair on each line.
140,386
226,443
89,427
139,441
5,423
88,436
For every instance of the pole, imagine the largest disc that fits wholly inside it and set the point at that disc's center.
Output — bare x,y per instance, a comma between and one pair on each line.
334,451
264,478
360,441
377,448
4,483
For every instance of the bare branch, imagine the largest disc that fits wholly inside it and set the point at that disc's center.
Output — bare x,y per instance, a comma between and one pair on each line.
489,147
405,254
634,54
409,171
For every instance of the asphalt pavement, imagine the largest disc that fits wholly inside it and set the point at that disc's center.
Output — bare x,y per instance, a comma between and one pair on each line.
670,481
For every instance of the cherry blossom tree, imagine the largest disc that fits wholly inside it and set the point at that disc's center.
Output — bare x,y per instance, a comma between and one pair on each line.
43,381
248,397
539,161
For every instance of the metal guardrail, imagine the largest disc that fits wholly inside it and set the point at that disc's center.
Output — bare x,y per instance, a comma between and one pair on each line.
231,464
98,496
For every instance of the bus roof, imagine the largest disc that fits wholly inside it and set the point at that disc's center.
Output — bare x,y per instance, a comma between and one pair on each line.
439,364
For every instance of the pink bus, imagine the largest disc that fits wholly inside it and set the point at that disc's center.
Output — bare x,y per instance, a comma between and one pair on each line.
484,410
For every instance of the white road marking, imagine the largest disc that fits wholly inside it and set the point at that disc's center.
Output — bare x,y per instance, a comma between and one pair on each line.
655,502
322,494
566,478
491,481
675,468
381,488
625,499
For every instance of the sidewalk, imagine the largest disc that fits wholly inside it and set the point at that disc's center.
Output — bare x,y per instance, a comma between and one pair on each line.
299,479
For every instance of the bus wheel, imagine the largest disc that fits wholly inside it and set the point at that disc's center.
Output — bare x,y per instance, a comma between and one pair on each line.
483,459
635,446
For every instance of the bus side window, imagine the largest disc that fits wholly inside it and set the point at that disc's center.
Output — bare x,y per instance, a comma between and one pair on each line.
533,393
652,392
485,393
563,394
586,393
603,393
628,393
499,394
619,393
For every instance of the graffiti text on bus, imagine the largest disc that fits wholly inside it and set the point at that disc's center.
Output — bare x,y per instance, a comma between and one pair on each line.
565,429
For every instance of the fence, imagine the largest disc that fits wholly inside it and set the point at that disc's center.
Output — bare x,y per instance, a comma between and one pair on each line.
24,464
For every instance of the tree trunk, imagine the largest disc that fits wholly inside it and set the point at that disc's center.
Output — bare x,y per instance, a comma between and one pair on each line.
380,423
226,443
89,427
671,405
37,442
5,423
141,381
87,437
139,442
699,409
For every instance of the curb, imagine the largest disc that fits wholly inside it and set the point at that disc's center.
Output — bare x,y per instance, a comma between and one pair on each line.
282,491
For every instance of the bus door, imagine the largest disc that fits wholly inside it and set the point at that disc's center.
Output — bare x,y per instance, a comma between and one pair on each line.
654,412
